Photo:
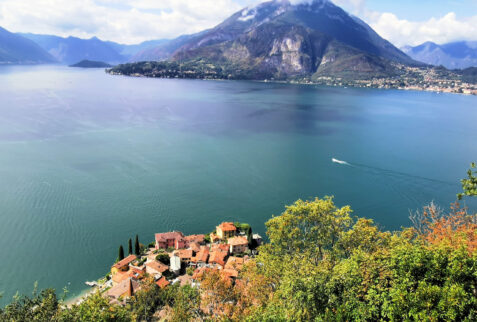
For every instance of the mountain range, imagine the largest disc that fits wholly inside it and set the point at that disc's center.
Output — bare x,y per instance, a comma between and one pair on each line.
15,49
279,39
455,55
275,39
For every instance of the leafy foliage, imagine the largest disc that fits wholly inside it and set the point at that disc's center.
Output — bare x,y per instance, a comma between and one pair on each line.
320,265
469,185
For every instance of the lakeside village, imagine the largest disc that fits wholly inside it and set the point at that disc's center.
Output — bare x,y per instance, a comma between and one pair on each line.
176,258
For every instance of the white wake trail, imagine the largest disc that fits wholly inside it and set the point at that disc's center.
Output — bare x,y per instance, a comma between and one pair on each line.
339,161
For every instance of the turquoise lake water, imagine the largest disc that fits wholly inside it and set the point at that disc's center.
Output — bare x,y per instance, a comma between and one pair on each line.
88,160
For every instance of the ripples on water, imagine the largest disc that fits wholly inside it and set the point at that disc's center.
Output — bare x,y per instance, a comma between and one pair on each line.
88,160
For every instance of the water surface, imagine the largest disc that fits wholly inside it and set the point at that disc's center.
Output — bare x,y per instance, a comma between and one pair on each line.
88,160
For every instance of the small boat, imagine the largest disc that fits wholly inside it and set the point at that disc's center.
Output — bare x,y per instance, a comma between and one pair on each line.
92,284
338,161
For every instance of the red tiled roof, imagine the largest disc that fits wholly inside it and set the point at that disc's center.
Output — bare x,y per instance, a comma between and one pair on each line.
195,247
195,238
162,282
238,240
222,247
184,253
202,255
124,262
121,276
158,266
168,236
218,257
227,226
129,285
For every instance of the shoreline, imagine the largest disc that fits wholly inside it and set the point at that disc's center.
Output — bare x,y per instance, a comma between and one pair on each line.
411,88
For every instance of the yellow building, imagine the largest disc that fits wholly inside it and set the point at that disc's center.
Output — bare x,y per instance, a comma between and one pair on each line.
226,230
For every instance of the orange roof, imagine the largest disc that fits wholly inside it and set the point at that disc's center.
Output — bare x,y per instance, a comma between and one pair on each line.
162,282
218,257
158,266
222,247
202,255
237,241
195,238
184,253
128,287
124,262
227,226
195,247
234,263
121,276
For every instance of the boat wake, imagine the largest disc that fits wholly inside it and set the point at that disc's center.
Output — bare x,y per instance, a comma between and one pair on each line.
339,161
389,173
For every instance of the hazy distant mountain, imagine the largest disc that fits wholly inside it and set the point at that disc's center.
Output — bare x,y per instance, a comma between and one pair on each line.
131,50
91,64
279,39
164,50
15,49
72,50
453,55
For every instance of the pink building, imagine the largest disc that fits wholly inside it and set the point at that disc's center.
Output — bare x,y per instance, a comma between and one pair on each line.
174,239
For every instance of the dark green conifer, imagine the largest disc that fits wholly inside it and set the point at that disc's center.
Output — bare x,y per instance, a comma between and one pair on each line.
121,253
136,246
130,246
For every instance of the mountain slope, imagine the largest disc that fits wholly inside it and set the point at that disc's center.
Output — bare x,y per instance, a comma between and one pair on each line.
71,50
277,39
452,55
282,40
15,49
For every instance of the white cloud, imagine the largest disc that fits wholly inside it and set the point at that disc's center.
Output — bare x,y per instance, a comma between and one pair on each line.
126,21
439,30
132,21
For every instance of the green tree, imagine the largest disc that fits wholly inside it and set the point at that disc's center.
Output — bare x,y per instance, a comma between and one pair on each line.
469,185
121,253
130,250
95,308
163,258
137,248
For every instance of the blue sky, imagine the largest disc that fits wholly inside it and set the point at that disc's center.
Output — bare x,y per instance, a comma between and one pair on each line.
402,22
423,9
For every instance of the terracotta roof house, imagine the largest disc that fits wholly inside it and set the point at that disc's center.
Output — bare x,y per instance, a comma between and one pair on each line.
200,259
195,247
238,244
184,254
217,258
123,265
122,276
174,239
234,263
155,268
226,230
126,288
162,282
199,239
222,247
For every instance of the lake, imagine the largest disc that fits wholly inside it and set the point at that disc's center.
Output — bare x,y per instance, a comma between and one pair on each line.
89,160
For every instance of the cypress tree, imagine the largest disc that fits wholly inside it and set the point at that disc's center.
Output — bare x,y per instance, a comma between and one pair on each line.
136,246
130,246
121,253
250,236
